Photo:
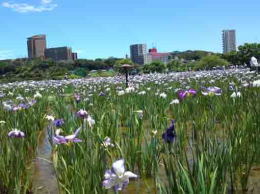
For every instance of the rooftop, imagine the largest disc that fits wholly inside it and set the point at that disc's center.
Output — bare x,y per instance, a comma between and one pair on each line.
37,36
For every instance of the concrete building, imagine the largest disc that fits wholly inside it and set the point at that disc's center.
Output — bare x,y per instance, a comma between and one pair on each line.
153,55
36,46
138,53
229,40
59,54
74,56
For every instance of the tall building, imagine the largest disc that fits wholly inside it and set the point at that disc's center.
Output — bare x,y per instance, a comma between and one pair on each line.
59,54
74,56
229,40
138,53
36,46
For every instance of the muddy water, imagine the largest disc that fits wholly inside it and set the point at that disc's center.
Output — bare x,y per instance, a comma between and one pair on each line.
138,186
44,178
254,181
144,185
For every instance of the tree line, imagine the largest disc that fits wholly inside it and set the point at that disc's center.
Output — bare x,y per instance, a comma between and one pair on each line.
37,69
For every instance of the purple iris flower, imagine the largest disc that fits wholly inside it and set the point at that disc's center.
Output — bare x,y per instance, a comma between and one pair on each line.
211,91
15,133
58,122
24,106
231,87
185,93
117,177
59,139
77,98
107,142
102,94
16,108
169,135
31,102
82,114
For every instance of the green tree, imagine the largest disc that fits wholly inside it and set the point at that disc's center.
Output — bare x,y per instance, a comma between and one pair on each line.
246,51
173,65
153,67
81,72
232,57
211,61
191,55
244,54
121,62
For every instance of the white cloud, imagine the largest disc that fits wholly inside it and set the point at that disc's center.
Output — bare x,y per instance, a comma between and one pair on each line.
45,5
46,1
6,54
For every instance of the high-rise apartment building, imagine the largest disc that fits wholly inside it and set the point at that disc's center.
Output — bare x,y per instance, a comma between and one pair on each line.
59,54
229,40
138,53
36,46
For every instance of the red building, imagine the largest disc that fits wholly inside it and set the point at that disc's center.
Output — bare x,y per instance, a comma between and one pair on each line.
153,55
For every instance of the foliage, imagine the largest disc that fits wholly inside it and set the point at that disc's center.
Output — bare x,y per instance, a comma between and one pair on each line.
244,54
153,67
211,61
121,62
95,64
173,65
81,72
232,57
37,69
246,51
190,55
102,73
178,66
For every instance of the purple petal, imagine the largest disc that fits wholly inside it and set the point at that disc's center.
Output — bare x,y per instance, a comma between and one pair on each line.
182,94
59,140
77,131
76,140
125,183
192,91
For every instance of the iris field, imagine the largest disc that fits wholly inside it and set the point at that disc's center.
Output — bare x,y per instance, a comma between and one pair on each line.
190,132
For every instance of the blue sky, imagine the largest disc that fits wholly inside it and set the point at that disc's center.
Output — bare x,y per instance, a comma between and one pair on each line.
104,28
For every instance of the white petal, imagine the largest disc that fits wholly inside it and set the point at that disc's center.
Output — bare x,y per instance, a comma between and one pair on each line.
205,93
10,133
129,174
118,167
70,137
57,132
107,174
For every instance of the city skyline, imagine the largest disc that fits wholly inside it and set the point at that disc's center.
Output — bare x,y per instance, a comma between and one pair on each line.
105,29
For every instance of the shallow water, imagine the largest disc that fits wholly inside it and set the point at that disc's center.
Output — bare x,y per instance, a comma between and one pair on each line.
139,186
254,181
44,178
143,186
